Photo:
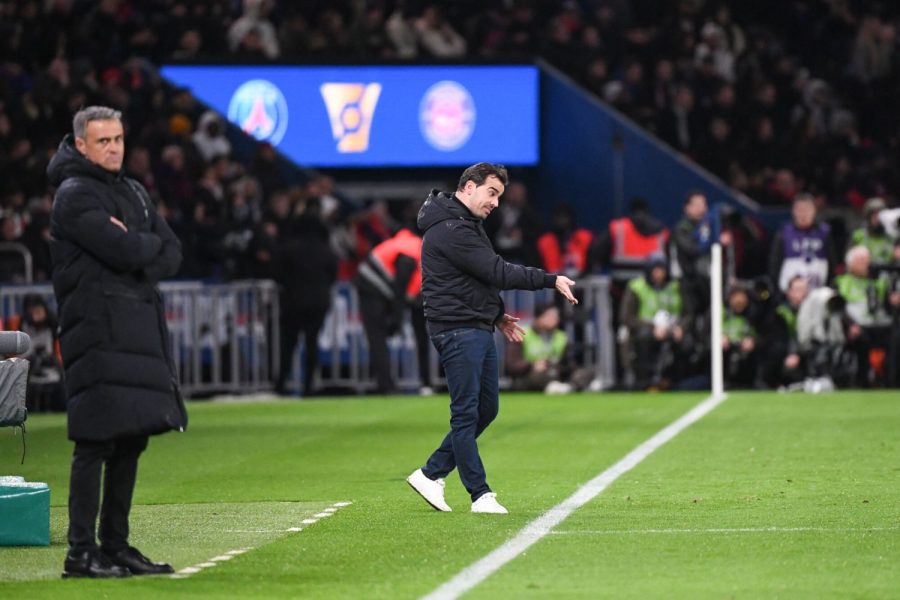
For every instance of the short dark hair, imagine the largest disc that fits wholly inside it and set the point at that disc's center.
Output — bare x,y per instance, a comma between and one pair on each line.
638,204
480,172
541,307
691,194
804,197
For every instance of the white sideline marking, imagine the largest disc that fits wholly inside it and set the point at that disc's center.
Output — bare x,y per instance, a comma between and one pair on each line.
723,530
481,569
212,562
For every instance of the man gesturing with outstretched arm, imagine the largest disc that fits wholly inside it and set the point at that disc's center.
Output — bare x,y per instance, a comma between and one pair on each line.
461,281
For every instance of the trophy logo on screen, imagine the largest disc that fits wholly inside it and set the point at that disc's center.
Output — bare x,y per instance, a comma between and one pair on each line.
351,107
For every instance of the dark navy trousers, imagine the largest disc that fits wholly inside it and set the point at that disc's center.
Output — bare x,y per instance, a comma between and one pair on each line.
469,358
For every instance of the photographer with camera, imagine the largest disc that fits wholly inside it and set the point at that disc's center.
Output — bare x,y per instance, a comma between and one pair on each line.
824,335
869,303
654,328
874,236
782,362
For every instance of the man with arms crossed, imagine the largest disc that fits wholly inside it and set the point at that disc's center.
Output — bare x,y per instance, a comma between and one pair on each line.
110,248
461,281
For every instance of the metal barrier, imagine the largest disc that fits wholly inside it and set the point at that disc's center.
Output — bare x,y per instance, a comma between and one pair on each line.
344,350
19,250
225,338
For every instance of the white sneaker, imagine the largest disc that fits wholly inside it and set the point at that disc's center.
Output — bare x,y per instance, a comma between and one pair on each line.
558,387
432,490
487,503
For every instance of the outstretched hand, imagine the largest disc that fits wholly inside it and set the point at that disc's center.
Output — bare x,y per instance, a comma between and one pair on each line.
564,286
509,326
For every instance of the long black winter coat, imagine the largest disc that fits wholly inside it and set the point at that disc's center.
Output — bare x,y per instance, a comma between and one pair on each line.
120,380
461,274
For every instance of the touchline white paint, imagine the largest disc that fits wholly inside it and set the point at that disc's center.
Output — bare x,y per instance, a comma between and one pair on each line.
212,562
480,570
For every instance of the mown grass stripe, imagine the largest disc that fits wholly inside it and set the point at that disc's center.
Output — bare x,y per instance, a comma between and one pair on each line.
534,531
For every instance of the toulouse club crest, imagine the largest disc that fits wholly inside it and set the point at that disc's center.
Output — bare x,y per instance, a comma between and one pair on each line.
258,107
447,116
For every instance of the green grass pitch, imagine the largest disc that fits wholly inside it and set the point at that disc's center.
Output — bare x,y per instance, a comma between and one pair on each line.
768,496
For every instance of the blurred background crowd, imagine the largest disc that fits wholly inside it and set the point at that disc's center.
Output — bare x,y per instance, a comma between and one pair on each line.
792,102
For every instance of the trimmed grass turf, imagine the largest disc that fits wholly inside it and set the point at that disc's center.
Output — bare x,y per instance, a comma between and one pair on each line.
730,470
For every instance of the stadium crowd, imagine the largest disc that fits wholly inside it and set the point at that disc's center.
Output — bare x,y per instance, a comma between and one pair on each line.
791,103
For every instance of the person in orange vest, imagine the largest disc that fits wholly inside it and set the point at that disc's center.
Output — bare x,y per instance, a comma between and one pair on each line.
632,242
564,249
388,281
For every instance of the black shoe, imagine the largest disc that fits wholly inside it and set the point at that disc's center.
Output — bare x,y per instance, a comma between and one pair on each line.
138,564
93,564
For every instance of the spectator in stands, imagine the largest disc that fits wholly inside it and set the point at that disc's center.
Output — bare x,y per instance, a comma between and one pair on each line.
631,243
745,256
267,170
542,362
438,37
872,234
13,266
692,239
715,150
307,269
739,339
209,138
714,46
369,33
564,249
653,318
802,247
388,282
36,236
680,126
782,361
401,30
873,51
330,38
253,35
45,383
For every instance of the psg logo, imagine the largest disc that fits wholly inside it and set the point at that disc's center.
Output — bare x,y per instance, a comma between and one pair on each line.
259,108
447,115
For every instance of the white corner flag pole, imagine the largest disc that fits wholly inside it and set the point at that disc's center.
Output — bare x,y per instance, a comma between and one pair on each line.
715,276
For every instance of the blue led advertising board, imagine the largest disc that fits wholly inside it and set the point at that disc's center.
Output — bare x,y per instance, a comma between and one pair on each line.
378,115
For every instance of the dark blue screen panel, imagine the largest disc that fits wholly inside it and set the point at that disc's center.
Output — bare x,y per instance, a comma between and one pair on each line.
378,116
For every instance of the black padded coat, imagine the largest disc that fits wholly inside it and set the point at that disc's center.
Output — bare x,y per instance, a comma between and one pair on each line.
120,379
